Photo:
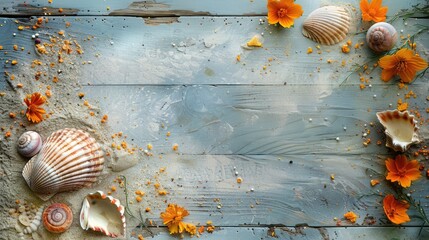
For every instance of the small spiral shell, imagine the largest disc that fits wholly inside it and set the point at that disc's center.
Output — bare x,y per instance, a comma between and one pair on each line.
29,144
57,218
381,37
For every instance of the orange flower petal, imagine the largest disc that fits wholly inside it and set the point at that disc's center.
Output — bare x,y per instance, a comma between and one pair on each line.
388,62
286,22
295,11
272,17
386,75
375,4
396,211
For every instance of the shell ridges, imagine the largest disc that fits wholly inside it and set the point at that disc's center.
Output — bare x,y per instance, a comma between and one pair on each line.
327,25
70,159
400,129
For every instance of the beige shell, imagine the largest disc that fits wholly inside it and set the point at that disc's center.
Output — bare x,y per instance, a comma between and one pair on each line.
381,37
104,214
70,159
401,129
327,25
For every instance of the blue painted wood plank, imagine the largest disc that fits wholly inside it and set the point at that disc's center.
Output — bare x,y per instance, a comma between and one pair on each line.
168,7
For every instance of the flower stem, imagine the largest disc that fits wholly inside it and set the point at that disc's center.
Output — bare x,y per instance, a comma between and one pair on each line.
127,208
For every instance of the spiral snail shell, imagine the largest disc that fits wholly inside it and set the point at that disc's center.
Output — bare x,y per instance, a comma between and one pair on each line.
29,144
57,218
381,37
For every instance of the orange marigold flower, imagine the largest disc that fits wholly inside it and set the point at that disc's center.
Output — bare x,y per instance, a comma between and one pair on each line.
396,210
373,11
403,63
283,12
173,218
34,111
402,171
351,216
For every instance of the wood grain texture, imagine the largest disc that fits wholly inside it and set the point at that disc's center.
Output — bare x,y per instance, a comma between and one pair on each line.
202,50
308,233
272,119
152,8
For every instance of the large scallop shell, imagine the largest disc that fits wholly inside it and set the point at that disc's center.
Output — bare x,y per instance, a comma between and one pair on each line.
29,144
327,25
401,129
70,159
381,37
104,214
57,217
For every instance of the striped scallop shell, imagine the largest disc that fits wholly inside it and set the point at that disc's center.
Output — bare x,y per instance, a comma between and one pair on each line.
401,129
70,159
327,25
103,213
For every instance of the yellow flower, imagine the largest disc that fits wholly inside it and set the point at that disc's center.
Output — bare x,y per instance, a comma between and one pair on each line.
34,112
403,63
373,11
173,218
283,12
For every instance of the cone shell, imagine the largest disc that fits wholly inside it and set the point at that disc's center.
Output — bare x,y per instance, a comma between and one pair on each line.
57,217
104,214
70,159
401,129
327,25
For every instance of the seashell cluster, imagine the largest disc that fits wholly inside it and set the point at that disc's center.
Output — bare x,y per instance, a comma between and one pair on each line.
57,217
381,37
401,129
30,225
104,214
29,144
70,159
327,25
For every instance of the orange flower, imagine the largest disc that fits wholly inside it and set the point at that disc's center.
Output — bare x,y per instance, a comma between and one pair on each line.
373,11
283,12
351,216
173,216
34,111
403,171
396,210
403,63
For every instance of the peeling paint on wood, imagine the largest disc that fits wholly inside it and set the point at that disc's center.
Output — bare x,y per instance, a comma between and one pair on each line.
163,20
151,8
30,10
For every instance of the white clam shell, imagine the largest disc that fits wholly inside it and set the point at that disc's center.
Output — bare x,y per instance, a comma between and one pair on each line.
70,159
381,37
103,213
327,25
401,129
29,144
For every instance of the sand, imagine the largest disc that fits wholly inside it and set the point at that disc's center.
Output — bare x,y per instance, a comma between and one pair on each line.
65,109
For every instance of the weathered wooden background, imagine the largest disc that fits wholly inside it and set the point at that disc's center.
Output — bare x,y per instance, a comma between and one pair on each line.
274,117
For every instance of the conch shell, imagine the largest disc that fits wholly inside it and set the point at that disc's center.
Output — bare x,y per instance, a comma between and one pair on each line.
327,25
381,37
104,214
401,129
70,159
